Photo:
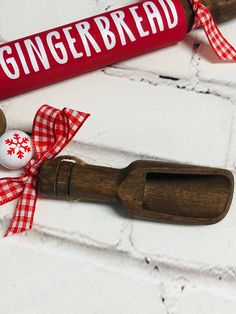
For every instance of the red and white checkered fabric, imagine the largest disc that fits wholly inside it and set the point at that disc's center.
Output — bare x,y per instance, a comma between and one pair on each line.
219,44
53,129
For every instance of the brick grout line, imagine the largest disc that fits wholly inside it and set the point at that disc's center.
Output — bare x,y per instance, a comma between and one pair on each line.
88,247
114,153
195,60
156,79
231,137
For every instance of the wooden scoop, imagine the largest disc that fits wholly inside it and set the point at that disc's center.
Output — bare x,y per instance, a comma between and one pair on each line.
147,189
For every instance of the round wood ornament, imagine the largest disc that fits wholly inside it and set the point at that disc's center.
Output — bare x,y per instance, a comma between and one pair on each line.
3,122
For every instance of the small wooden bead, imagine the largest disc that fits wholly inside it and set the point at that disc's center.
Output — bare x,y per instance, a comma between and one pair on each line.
3,123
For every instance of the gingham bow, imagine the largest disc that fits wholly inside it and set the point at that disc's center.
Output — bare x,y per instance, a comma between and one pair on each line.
53,129
219,44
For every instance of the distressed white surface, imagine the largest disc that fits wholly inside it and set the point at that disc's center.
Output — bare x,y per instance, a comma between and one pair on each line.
176,104
58,284
210,303
139,118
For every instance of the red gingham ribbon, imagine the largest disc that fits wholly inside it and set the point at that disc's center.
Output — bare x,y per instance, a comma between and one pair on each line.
219,44
53,129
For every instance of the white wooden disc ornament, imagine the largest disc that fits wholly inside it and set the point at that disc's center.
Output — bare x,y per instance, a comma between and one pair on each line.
16,149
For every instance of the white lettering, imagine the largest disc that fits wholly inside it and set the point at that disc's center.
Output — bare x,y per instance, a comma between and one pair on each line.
109,38
59,46
118,18
83,29
138,21
22,58
11,61
71,41
40,52
173,11
153,13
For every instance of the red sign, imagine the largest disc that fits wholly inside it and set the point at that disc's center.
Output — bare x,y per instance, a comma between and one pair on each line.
89,44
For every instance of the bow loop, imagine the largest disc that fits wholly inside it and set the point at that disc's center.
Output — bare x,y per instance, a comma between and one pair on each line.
46,135
53,129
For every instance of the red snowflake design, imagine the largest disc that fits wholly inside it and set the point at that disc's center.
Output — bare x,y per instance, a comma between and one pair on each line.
18,145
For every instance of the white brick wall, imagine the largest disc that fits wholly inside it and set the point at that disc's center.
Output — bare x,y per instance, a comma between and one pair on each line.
173,105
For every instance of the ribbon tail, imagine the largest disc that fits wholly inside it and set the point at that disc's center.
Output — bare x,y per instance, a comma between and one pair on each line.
221,47
11,188
25,209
